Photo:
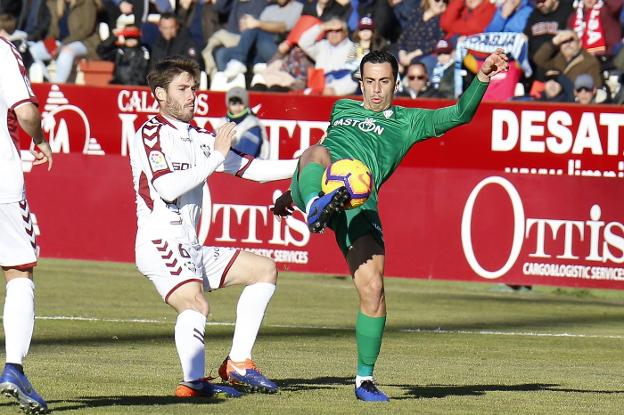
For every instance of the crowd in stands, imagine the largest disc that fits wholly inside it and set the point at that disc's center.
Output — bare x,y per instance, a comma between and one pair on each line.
561,50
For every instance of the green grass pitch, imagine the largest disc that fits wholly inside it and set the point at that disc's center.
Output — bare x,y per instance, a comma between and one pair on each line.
103,344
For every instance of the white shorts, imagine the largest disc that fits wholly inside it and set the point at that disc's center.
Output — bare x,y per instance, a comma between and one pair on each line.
171,263
18,247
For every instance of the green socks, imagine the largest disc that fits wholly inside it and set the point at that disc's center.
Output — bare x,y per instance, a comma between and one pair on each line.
368,334
310,180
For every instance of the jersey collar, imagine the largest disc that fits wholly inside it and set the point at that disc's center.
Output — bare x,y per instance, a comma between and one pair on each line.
182,127
387,113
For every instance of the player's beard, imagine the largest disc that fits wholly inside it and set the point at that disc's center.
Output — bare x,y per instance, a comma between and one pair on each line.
179,112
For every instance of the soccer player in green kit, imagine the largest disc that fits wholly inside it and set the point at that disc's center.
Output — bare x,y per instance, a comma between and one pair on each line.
379,134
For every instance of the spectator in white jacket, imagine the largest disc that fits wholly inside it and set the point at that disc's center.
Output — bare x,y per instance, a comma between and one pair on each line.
332,55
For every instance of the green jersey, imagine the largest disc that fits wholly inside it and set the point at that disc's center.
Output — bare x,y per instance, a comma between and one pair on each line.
381,139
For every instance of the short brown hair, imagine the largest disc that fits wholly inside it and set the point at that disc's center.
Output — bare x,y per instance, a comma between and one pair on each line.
8,23
164,71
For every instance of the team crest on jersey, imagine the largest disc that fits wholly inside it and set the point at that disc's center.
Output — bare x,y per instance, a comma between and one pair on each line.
157,161
206,149
190,266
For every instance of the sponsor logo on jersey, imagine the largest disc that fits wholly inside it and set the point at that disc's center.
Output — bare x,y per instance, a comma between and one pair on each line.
367,125
157,161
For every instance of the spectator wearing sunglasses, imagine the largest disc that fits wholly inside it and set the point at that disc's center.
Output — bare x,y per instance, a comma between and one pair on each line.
331,56
417,83
584,89
565,53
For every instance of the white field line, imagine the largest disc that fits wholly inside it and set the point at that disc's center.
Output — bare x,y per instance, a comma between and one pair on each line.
294,326
512,333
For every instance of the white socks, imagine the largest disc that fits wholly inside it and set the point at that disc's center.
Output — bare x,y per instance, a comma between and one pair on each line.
19,318
249,314
189,340
359,379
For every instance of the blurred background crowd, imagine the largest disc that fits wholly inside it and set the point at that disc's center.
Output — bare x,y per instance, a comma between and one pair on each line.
561,50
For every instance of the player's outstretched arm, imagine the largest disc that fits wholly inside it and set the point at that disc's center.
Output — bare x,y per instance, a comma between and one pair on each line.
172,185
257,170
462,112
29,118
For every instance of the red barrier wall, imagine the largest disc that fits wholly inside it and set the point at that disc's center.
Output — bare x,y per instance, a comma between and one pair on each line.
525,194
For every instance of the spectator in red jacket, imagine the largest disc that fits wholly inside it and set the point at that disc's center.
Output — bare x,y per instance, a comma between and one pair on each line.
597,24
467,17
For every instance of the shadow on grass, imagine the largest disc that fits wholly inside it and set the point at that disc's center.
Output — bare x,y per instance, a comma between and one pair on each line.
442,391
324,382
121,401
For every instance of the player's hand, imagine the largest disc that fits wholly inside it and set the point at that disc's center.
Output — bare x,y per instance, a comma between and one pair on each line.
223,140
494,64
283,205
44,155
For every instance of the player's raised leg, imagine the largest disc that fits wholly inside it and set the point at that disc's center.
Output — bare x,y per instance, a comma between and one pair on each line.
259,276
189,301
366,262
320,208
18,321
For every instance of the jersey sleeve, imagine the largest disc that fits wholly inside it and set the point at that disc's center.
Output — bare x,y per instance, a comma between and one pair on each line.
244,166
434,123
169,183
14,83
156,163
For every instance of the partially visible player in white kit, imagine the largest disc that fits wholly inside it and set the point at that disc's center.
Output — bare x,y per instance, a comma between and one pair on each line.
18,248
171,160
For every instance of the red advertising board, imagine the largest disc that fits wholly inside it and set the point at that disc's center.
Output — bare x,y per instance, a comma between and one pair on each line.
525,194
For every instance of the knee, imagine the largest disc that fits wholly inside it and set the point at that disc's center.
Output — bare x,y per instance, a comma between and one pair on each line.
200,304
267,272
65,52
375,287
316,154
189,301
371,284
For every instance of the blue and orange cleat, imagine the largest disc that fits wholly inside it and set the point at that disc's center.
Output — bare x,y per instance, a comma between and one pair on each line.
246,375
202,388
14,383
323,209
368,391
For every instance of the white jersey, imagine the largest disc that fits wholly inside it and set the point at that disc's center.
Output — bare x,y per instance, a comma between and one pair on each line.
171,161
15,90
170,152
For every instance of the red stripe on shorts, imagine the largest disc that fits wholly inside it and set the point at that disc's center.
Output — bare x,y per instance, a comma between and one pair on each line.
227,268
21,267
178,286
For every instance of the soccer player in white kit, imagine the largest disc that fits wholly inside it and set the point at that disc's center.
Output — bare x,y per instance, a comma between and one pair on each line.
18,248
171,160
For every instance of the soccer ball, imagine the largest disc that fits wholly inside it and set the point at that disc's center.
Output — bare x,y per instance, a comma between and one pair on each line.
354,175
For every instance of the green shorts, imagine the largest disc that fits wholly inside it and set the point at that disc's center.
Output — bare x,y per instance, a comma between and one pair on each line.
350,224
